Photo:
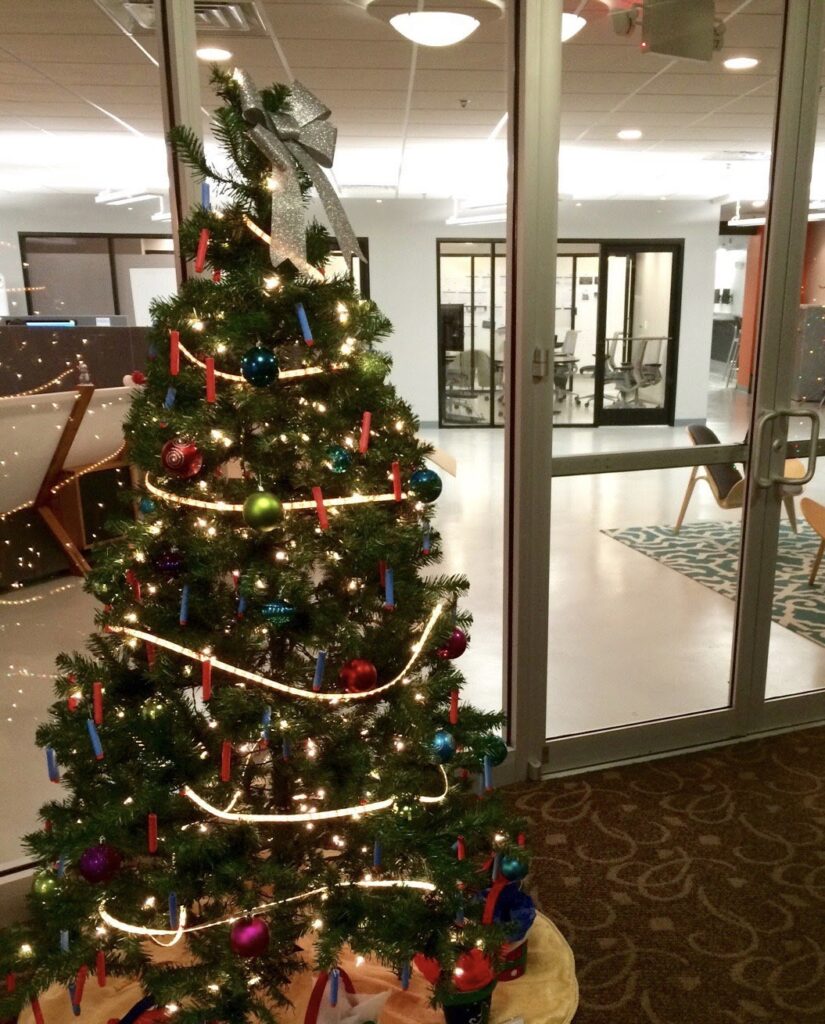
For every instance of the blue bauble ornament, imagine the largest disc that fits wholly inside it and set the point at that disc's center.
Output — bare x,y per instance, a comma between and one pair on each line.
444,746
279,612
259,367
147,506
339,458
425,485
514,868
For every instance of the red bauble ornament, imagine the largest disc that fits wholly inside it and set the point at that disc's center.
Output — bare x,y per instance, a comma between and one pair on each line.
139,377
358,675
181,458
249,936
99,863
473,971
456,645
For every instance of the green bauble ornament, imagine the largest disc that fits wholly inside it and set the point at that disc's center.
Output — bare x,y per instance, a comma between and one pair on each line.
262,510
279,612
339,458
425,485
259,367
496,749
44,883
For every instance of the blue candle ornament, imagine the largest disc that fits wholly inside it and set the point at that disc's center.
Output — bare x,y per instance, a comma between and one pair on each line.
488,772
304,322
61,866
426,544
320,664
333,986
389,588
97,746
184,605
169,401
266,721
51,764
206,199
405,976
376,853
496,866
241,606
459,917
64,941
173,910
286,748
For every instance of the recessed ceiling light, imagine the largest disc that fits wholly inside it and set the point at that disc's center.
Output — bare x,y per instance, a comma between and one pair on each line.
434,28
213,53
629,133
740,63
571,24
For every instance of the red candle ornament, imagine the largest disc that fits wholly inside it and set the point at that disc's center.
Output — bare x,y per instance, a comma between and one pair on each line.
454,707
396,481
97,703
72,702
364,443
323,519
38,1013
226,761
210,378
100,968
152,833
80,984
200,255
216,276
382,571
150,653
460,848
11,982
134,583
206,678
174,353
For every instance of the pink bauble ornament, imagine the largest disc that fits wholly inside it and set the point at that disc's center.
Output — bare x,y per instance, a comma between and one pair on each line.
181,458
359,675
456,645
99,863
249,936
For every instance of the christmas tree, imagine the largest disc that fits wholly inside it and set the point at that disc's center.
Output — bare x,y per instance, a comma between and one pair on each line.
264,740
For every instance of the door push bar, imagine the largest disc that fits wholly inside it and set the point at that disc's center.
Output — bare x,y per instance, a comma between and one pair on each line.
778,444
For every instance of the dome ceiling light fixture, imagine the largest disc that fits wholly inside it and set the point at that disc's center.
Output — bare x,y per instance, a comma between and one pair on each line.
571,25
435,22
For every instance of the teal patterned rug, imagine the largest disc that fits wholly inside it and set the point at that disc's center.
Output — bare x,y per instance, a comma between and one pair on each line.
709,554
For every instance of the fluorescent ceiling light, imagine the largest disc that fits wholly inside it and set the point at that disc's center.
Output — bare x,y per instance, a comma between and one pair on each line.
434,28
213,53
740,63
571,25
629,133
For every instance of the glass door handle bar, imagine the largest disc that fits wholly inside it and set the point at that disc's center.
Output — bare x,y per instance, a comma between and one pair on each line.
769,480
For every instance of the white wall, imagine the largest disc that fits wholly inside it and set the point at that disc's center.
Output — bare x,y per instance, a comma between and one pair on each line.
402,235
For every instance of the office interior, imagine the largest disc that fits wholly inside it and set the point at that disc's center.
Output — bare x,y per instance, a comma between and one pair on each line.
663,197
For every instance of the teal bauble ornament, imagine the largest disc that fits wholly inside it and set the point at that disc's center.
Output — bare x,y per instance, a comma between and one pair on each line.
339,458
280,613
443,746
259,367
514,868
425,485
146,506
262,510
496,749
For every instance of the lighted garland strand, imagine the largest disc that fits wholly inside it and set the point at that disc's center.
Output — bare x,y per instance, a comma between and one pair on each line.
284,375
310,816
177,934
40,387
272,684
288,506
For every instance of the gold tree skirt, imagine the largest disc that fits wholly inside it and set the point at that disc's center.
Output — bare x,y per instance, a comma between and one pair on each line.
546,994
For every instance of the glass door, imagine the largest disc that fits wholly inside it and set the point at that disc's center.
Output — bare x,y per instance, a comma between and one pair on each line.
638,333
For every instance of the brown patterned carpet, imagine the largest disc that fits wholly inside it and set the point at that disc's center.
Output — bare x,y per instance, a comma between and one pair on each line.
692,889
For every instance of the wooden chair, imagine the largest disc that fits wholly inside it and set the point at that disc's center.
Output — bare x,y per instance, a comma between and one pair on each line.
727,483
815,514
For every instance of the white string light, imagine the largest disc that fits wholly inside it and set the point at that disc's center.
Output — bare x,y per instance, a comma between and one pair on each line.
74,474
306,371
40,387
177,933
272,684
293,819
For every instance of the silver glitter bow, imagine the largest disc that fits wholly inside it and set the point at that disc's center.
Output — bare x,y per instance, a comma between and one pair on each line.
302,135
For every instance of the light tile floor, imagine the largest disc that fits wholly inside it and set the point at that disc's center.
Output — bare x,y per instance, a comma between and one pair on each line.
630,639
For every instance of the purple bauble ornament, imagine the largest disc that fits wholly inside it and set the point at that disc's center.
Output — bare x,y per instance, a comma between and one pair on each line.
99,863
168,562
249,936
456,645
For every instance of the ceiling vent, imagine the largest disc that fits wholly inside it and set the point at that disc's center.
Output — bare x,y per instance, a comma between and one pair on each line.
229,17
728,156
